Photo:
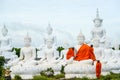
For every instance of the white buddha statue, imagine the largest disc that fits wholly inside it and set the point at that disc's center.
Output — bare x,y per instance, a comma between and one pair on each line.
50,58
98,31
6,45
48,36
81,66
25,65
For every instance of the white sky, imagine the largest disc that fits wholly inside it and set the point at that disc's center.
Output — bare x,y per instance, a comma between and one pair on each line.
70,16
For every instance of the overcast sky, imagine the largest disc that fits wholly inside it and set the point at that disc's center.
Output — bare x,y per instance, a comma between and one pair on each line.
69,16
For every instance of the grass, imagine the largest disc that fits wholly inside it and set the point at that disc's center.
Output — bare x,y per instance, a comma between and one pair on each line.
112,76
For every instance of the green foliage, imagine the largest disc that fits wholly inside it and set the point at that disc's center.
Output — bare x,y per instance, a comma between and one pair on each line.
58,76
62,70
59,49
17,77
41,78
1,78
112,76
37,49
113,48
17,51
1,70
2,61
48,73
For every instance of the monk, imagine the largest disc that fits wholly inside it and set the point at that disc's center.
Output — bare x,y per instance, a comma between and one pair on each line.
98,69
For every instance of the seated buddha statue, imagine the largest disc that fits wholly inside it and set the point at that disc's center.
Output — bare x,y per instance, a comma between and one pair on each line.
25,65
48,36
50,58
82,63
6,45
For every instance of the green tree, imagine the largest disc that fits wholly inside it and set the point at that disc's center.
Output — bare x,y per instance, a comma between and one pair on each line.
59,49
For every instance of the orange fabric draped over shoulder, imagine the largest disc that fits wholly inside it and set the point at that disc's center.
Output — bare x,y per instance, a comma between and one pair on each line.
98,69
84,53
70,53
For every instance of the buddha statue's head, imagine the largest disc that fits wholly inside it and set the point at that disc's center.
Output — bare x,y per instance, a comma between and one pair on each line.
27,40
4,31
97,21
49,29
80,38
49,43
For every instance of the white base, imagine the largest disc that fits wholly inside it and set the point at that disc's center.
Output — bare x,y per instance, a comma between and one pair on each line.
115,71
91,76
105,73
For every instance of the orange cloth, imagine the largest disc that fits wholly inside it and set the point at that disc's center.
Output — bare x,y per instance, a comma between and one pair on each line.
70,53
84,53
98,69
91,49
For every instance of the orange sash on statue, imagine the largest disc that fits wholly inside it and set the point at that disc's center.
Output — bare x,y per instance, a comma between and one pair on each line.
84,53
98,69
70,53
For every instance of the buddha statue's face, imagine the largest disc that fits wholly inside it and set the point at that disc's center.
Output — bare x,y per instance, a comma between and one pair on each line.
80,40
27,42
97,23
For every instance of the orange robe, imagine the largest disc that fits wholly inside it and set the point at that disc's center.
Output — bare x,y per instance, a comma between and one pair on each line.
70,53
84,53
98,69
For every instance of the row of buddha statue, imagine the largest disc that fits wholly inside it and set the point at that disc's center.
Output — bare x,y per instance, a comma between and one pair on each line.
78,61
